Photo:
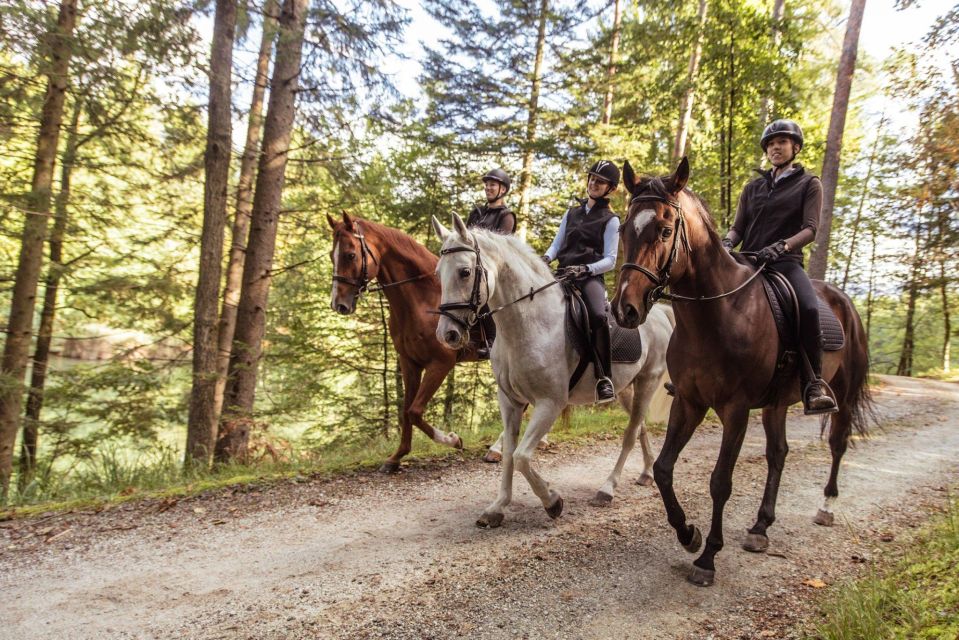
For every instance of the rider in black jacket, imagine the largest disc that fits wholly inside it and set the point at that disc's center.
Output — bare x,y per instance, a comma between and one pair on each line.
586,245
778,215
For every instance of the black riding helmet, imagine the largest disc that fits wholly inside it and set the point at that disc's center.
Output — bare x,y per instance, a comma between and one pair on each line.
781,128
605,170
500,176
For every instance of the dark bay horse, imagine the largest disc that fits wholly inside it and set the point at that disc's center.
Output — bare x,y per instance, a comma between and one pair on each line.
364,251
723,353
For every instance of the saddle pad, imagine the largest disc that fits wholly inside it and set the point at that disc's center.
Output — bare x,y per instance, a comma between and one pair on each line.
781,304
625,344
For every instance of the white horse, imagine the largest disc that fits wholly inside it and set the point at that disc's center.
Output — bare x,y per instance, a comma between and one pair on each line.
531,358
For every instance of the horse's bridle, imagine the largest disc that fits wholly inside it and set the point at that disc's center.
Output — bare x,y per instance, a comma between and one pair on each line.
362,284
661,280
473,305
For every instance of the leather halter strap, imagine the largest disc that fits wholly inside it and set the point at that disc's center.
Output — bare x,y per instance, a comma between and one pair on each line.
362,284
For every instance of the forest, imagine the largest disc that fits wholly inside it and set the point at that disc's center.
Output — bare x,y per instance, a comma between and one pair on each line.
167,168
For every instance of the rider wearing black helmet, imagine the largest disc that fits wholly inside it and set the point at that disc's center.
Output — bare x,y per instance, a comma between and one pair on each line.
586,245
778,215
494,215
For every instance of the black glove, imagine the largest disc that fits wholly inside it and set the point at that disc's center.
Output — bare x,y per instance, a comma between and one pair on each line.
771,253
545,258
573,272
728,245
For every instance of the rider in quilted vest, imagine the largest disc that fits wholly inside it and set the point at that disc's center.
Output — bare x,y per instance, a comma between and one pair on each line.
586,245
778,215
495,216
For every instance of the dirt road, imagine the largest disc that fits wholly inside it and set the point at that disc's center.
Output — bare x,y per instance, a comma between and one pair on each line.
400,557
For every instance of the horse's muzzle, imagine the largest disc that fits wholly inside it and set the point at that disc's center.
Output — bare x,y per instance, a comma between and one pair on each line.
628,316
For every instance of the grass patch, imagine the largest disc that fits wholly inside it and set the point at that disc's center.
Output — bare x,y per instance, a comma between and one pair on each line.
114,475
915,598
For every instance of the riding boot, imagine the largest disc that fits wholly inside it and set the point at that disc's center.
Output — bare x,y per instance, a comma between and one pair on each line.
479,342
602,365
816,394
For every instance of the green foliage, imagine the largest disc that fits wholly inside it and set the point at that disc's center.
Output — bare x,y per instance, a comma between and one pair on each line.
918,598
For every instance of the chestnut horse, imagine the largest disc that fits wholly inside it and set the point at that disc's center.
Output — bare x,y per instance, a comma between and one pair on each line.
364,251
723,353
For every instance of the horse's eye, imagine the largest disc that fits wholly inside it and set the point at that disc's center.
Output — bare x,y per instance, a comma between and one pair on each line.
465,272
668,231
351,256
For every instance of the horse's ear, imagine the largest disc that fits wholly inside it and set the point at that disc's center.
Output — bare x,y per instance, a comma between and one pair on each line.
460,227
629,178
441,231
681,176
348,221
332,222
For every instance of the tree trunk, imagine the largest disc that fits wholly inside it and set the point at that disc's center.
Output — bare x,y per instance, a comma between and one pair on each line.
908,341
244,205
766,105
862,203
526,176
872,286
837,123
686,112
257,268
611,67
201,427
449,398
41,354
730,127
23,302
946,324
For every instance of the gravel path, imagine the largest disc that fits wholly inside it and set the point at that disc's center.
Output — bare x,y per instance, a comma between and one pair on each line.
367,556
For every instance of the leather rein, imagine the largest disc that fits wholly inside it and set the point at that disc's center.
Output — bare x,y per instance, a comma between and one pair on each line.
661,280
362,284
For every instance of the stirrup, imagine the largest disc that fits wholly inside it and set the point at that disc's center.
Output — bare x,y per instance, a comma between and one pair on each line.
826,394
612,397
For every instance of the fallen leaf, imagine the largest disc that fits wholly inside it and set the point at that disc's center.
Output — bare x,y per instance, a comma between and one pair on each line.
199,510
815,583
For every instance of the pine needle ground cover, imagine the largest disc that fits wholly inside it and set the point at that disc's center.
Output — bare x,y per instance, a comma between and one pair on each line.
917,598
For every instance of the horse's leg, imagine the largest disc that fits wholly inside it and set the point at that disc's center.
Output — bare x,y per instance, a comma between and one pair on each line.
435,373
635,400
512,414
411,382
544,415
839,430
495,452
684,417
720,488
774,423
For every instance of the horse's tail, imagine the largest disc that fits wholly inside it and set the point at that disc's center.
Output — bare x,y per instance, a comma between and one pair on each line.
858,397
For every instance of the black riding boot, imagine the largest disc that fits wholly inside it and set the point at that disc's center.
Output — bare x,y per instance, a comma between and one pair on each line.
602,365
482,334
816,394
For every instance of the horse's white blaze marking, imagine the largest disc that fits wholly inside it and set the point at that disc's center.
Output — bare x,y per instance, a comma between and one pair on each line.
642,219
336,261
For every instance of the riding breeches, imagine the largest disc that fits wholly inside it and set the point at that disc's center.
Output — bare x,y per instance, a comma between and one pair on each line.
810,332
593,290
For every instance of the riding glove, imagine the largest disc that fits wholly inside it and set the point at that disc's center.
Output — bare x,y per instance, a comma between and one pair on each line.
573,272
545,258
771,253
728,244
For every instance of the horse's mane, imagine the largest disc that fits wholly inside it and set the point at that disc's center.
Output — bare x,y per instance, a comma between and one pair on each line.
403,242
516,248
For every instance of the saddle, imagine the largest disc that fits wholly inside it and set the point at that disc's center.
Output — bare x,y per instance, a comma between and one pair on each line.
625,344
782,303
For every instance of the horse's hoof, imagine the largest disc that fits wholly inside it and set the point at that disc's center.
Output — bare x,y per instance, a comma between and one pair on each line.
390,467
645,480
493,456
701,577
601,499
696,542
459,441
824,518
490,520
756,543
557,509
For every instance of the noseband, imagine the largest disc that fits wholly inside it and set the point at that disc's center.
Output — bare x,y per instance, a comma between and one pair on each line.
363,282
661,280
473,305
